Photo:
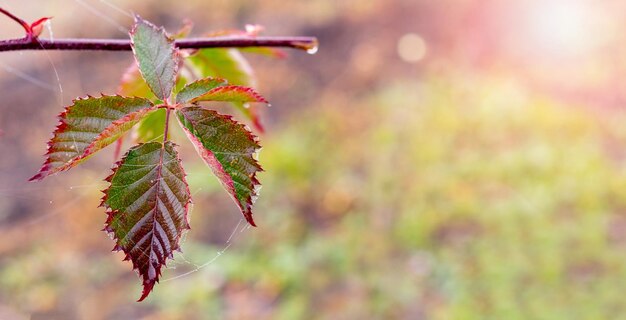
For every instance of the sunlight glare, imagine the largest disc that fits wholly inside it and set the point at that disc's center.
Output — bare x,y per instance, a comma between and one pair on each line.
561,26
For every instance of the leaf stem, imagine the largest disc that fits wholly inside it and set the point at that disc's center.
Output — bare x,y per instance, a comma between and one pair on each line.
167,123
302,43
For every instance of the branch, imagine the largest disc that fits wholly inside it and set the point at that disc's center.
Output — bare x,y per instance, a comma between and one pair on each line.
303,43
32,42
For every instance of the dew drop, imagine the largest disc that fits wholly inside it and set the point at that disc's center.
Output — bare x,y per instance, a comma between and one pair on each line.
310,47
254,29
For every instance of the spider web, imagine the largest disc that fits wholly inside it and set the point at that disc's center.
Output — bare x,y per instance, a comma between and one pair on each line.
78,193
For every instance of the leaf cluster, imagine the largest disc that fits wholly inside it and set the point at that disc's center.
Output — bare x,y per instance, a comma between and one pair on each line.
147,200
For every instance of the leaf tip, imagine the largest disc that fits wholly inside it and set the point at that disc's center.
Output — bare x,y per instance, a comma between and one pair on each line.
250,219
147,288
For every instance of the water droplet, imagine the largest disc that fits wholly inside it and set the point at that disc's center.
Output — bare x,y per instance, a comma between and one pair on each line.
254,29
310,47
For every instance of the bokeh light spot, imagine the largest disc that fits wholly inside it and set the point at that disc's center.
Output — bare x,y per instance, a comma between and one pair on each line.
411,47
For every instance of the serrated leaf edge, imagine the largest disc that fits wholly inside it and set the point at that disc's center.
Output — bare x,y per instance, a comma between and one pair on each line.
175,53
253,94
147,287
223,83
46,170
212,162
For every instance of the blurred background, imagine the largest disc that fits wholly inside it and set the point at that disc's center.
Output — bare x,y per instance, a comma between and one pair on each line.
453,159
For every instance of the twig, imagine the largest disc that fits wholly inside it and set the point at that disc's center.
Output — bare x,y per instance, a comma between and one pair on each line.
32,42
304,43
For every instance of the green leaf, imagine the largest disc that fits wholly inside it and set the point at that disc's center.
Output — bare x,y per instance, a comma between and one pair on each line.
133,84
151,127
228,148
228,64
89,125
265,51
147,204
156,56
199,88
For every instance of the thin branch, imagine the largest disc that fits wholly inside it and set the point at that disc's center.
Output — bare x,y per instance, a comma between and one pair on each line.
303,43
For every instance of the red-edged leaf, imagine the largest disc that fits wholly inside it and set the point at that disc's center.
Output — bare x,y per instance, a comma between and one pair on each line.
231,94
89,125
147,204
228,148
156,56
199,88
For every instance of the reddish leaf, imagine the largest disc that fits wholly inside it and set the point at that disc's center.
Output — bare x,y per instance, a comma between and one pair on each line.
231,94
228,148
89,125
147,204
